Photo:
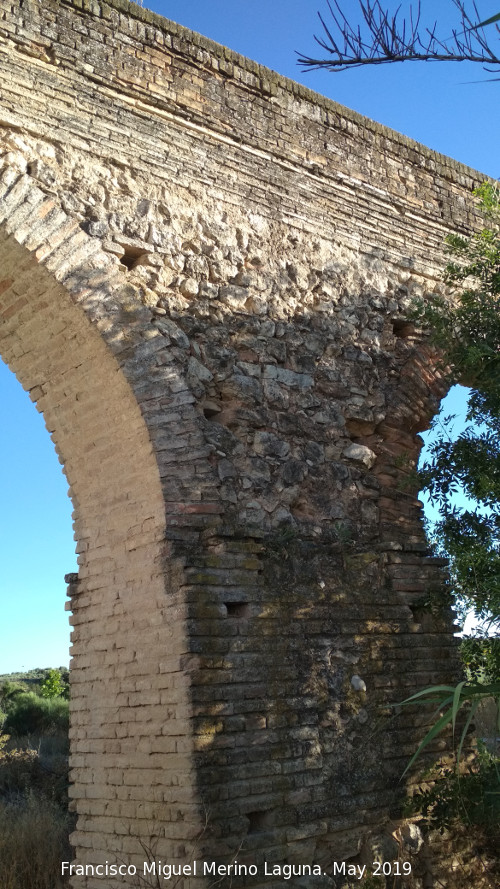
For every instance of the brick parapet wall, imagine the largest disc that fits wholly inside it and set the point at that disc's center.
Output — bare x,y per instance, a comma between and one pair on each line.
151,29
168,75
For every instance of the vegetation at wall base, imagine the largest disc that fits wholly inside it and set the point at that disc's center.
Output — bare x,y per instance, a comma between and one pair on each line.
468,796
465,805
33,842
34,819
466,791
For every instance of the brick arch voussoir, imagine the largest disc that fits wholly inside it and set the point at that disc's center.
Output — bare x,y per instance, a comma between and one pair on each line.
94,280
83,346
414,388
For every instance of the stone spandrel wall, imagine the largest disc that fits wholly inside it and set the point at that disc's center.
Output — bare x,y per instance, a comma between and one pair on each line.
264,245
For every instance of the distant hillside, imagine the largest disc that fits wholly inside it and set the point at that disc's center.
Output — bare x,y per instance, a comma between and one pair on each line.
30,677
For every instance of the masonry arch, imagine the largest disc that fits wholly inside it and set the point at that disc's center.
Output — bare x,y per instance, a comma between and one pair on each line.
62,314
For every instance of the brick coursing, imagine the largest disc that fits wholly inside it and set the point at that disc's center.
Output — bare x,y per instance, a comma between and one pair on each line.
205,276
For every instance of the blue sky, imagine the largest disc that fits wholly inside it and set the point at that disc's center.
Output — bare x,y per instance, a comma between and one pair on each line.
36,537
432,103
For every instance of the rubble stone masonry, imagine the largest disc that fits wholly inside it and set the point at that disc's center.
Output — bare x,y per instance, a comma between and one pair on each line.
205,276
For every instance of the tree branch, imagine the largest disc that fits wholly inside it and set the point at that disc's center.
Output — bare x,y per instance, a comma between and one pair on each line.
383,38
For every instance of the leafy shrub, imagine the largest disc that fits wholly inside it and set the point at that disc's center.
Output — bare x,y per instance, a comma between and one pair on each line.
18,769
33,715
8,693
34,819
24,771
471,796
481,657
53,686
467,331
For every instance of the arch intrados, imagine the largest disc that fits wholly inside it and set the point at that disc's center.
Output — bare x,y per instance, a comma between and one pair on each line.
53,337
88,406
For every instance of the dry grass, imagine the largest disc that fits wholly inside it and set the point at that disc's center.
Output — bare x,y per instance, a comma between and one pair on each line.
33,842
34,822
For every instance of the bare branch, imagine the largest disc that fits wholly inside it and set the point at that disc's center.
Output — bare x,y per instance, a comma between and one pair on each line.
389,37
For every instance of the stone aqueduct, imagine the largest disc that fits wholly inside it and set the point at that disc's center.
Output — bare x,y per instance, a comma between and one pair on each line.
205,271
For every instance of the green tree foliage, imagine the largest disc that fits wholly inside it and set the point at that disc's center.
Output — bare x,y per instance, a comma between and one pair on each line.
34,715
8,693
53,686
468,332
45,710
471,797
481,658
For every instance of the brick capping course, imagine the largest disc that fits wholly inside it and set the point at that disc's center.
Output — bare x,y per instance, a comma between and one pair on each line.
270,80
